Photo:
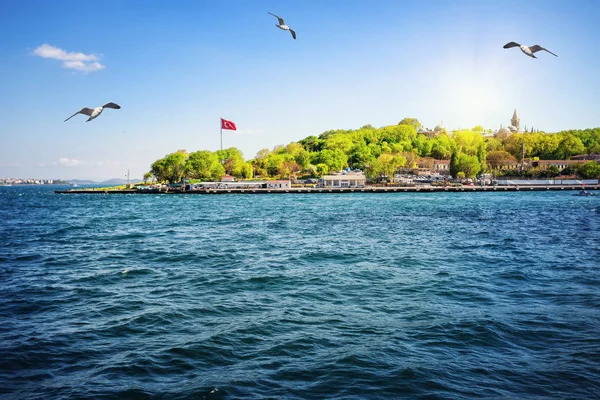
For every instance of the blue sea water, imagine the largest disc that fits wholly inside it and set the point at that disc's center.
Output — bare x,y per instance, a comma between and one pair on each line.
300,296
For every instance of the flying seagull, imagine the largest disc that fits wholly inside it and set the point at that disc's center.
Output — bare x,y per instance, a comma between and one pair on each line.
283,26
94,112
529,50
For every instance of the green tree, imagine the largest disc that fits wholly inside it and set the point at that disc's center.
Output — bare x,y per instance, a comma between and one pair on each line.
385,165
411,159
589,170
303,158
398,134
311,170
545,145
312,144
274,164
423,145
232,160
467,141
289,168
482,156
453,166
334,159
552,171
360,155
262,154
513,143
500,159
171,168
568,146
470,165
594,148
204,165
322,169
248,171
493,144
375,150
441,148
339,141
411,121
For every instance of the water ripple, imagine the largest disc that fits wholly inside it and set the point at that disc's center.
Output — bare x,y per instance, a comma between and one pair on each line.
407,295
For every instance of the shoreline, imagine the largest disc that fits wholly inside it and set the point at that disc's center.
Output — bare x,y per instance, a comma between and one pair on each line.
304,190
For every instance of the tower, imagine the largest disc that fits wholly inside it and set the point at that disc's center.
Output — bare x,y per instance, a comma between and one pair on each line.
515,120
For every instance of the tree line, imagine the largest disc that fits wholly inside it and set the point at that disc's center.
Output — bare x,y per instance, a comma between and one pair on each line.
386,150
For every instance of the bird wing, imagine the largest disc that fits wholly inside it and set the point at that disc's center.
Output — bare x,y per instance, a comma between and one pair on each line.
281,22
537,47
86,111
293,33
111,105
511,44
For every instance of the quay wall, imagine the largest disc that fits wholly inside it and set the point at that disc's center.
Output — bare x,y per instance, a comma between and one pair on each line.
378,189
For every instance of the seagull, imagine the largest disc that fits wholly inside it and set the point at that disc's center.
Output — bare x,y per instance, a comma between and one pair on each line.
94,112
529,50
283,26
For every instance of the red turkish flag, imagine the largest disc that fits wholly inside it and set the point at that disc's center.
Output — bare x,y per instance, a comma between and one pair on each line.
227,125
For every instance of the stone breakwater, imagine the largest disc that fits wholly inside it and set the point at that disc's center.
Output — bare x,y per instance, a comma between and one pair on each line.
374,189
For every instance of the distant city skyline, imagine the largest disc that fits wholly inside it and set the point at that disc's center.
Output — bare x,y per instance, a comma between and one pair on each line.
177,68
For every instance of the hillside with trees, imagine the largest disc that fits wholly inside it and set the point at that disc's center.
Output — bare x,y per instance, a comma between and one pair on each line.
384,151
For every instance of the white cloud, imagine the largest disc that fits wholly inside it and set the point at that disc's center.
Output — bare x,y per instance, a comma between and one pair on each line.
249,131
81,66
73,60
69,162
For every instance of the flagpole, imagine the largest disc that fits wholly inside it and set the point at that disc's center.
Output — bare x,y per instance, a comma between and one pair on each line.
221,125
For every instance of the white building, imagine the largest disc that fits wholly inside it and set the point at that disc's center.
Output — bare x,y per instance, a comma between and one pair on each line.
442,166
280,184
349,180
227,178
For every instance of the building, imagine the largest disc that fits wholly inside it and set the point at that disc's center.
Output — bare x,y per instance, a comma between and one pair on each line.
560,164
349,180
425,164
227,178
587,157
442,167
515,121
281,184
438,130
502,132
514,127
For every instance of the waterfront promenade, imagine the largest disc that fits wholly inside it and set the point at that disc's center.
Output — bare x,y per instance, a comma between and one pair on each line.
317,190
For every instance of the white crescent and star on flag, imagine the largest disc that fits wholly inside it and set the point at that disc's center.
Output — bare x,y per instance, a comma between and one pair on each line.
227,125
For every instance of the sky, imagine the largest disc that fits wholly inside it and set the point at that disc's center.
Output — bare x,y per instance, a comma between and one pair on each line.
177,67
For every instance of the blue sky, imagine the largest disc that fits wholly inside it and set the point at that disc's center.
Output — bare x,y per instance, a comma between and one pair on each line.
176,67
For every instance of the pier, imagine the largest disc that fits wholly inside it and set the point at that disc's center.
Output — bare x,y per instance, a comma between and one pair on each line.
319,190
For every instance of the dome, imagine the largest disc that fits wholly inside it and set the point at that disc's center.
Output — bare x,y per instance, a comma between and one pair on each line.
438,128
513,128
503,130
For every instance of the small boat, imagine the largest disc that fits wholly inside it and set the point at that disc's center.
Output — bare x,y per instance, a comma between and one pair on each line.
584,193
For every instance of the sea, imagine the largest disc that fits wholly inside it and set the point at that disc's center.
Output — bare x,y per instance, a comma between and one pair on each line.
299,296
